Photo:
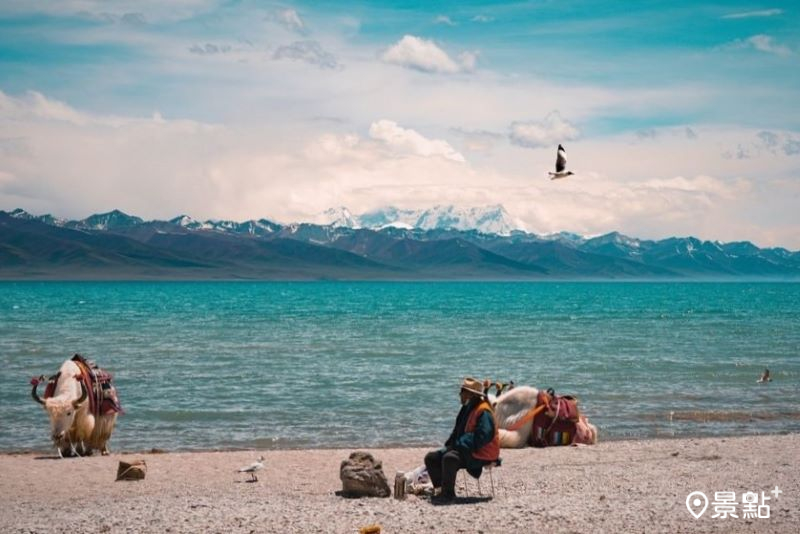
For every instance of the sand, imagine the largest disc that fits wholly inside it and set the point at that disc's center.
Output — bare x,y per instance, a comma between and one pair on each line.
621,486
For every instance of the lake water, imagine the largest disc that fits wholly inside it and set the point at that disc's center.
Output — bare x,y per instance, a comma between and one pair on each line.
222,365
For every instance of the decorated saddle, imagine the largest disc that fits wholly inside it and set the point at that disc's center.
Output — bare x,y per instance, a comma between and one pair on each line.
557,423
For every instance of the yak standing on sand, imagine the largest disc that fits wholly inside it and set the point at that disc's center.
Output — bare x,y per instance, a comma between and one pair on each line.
82,405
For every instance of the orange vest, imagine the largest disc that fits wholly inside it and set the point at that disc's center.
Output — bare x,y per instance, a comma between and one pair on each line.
491,451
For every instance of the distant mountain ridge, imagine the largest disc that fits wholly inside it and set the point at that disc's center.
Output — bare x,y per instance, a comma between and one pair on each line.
439,243
488,219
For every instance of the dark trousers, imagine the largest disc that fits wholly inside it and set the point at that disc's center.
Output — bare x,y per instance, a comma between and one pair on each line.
443,465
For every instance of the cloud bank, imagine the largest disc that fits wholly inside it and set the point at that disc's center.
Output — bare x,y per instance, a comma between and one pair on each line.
61,160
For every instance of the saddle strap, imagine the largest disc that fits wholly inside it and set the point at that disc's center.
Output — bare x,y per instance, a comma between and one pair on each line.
533,412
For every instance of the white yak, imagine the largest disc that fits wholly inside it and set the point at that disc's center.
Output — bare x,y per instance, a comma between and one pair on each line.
514,413
73,429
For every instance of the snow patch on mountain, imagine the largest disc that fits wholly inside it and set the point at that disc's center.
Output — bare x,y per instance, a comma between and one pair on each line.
186,222
400,225
565,237
20,213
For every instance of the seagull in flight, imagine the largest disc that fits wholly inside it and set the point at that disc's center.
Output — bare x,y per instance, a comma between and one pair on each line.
561,165
252,468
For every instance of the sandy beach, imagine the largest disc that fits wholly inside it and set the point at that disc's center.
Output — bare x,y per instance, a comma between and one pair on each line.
620,486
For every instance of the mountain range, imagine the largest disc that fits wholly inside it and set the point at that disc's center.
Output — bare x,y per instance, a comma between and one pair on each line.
389,244
488,220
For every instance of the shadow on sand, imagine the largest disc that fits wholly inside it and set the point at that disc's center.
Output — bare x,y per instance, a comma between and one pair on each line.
460,500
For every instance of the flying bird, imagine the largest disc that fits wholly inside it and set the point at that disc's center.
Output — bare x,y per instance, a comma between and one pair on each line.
561,165
252,468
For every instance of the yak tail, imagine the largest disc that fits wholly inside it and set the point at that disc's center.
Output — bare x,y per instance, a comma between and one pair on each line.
103,428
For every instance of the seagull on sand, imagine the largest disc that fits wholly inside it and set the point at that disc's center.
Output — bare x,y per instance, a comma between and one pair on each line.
561,165
252,468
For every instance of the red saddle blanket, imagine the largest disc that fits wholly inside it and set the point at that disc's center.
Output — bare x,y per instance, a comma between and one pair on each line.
557,423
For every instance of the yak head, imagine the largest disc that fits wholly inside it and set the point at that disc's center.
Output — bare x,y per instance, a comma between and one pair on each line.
62,412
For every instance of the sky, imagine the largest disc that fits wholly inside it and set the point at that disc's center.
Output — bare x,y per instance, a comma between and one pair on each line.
678,118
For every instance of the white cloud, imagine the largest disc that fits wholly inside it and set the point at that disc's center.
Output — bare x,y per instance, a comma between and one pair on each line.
289,19
650,134
478,140
134,19
482,18
706,185
209,49
760,42
767,143
751,14
34,105
408,141
309,52
425,55
552,130
73,162
133,12
468,60
764,43
444,19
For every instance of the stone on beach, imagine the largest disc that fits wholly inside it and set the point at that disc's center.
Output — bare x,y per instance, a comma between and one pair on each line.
362,476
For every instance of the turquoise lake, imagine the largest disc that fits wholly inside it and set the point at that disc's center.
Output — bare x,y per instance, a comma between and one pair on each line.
223,365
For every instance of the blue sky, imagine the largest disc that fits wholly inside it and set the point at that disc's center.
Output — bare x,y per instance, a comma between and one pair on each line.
679,118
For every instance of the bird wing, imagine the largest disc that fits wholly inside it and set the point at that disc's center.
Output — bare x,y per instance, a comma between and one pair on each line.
255,466
561,159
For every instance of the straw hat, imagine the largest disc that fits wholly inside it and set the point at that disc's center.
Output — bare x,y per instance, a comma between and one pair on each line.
473,386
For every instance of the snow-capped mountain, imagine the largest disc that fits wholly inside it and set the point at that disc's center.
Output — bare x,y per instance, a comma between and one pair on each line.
569,238
252,227
186,222
20,213
487,219
106,221
340,216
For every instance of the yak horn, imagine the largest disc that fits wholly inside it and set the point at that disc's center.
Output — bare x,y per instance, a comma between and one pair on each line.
84,394
33,391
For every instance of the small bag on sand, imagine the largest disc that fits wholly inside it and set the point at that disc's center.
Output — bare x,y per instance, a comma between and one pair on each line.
132,471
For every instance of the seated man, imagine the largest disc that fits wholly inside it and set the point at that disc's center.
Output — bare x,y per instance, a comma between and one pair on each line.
473,443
